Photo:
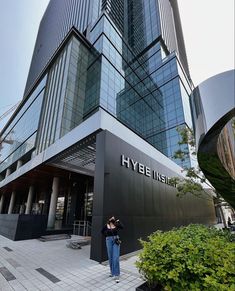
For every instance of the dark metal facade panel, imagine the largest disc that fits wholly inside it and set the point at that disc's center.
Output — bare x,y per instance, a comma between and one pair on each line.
142,203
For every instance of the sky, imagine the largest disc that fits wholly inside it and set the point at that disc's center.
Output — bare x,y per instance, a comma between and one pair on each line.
208,27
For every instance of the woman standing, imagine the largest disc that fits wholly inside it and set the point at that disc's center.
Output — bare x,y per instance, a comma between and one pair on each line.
110,231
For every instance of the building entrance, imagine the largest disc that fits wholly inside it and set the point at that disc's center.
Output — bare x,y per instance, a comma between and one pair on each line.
75,203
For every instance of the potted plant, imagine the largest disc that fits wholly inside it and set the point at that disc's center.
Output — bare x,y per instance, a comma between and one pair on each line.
189,258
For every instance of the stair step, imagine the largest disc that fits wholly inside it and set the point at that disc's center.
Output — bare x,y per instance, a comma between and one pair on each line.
52,237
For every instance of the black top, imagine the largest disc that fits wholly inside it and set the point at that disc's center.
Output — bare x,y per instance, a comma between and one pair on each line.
112,231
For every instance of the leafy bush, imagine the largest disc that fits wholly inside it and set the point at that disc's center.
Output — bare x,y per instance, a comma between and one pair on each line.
189,258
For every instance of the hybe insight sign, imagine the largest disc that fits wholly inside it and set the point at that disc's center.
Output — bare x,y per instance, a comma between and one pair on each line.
144,170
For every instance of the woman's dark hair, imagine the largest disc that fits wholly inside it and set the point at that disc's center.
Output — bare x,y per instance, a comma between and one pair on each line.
112,219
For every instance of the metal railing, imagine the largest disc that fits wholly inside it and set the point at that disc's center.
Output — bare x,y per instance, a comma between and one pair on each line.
81,227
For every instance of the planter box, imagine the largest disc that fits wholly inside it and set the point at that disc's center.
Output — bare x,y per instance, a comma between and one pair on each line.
144,287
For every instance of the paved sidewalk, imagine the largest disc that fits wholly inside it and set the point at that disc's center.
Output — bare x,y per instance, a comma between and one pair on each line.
35,265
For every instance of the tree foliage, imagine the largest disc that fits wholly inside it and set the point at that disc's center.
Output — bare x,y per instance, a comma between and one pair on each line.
194,177
189,258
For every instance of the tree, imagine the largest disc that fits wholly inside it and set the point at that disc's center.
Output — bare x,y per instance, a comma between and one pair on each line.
194,178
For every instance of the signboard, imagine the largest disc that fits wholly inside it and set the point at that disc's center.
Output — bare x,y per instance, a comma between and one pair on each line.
144,170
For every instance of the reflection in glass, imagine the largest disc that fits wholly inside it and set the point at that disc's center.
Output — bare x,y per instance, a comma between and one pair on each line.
20,136
226,147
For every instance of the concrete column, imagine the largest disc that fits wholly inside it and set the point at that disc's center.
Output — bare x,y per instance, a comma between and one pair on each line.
53,202
22,209
46,203
33,154
29,200
19,164
8,172
2,202
12,202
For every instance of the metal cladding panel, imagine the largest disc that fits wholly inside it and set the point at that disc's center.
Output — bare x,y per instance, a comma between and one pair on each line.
213,107
172,32
212,100
142,203
179,36
167,25
115,9
59,18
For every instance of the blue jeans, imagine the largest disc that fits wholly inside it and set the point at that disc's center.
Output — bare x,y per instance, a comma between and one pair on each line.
113,251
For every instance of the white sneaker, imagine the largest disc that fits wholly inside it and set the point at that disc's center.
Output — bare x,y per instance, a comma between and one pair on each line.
117,279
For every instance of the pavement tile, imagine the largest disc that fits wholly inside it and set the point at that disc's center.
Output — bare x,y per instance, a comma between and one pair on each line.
7,274
73,267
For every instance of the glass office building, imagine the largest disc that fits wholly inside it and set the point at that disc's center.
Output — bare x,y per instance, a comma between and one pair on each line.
106,76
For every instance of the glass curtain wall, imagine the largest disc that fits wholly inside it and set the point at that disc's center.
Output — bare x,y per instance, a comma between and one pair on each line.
65,96
20,136
143,91
127,72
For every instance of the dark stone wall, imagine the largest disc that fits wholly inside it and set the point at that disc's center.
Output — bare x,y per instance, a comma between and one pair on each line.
142,204
8,225
22,226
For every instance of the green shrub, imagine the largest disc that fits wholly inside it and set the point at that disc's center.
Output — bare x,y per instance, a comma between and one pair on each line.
189,258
